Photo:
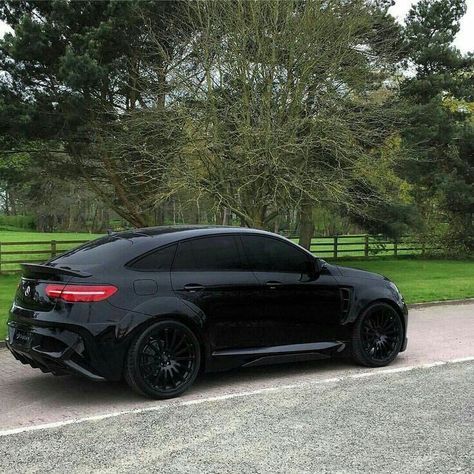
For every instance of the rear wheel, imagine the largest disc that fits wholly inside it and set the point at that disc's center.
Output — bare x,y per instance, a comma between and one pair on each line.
377,336
163,361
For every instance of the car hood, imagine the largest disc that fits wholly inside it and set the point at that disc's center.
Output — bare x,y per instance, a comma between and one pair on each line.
356,273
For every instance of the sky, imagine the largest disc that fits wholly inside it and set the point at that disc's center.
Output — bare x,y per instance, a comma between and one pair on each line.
464,40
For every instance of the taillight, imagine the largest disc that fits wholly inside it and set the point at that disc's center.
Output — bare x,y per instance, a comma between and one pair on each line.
80,293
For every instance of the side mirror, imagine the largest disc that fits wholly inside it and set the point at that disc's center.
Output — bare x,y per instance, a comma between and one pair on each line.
313,269
318,266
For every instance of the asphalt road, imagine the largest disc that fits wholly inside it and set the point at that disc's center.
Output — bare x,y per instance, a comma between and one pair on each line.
415,416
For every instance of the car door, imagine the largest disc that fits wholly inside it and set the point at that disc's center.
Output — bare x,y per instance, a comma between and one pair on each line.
299,304
208,274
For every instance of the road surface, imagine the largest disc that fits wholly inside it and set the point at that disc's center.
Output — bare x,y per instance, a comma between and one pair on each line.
325,416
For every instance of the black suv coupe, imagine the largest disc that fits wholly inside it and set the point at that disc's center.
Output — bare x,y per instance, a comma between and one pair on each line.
156,306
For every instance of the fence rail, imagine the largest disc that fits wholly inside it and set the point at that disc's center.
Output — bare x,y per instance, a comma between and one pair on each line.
37,252
339,246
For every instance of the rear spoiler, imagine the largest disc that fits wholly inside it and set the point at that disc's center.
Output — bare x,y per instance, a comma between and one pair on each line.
46,269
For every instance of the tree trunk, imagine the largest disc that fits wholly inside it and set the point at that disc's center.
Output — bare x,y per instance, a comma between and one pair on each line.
306,224
226,215
276,225
160,214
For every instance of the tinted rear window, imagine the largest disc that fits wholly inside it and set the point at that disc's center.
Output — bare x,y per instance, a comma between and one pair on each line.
105,249
158,261
208,254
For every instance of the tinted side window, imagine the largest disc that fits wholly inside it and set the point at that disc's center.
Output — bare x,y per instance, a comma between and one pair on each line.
208,254
271,255
158,261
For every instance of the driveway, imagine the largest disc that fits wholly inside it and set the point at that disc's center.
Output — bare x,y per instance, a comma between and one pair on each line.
414,416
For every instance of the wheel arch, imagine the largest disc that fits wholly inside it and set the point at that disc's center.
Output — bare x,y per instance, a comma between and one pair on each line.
388,302
181,318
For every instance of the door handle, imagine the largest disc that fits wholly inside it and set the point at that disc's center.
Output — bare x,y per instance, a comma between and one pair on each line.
193,287
273,285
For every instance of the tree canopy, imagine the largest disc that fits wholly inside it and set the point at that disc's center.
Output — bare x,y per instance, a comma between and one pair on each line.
264,112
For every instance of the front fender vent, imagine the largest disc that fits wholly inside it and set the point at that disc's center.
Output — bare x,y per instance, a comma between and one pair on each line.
346,298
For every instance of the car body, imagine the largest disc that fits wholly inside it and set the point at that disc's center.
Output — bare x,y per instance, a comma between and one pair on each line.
248,297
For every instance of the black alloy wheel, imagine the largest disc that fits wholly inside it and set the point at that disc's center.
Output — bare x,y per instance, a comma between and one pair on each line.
164,360
377,336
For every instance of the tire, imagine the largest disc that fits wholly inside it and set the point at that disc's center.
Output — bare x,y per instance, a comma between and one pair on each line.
163,361
377,336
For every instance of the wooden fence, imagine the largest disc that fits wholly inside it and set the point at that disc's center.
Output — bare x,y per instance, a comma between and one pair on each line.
341,246
14,253
344,246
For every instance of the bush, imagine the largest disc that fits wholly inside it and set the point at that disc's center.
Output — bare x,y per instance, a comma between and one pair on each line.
17,222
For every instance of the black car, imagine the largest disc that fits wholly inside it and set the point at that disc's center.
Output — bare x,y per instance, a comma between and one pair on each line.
156,306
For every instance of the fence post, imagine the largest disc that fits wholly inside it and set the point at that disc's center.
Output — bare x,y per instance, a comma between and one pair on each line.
395,248
366,245
53,248
335,246
423,248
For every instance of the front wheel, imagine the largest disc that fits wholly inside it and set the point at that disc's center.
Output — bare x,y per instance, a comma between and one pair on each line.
377,336
163,361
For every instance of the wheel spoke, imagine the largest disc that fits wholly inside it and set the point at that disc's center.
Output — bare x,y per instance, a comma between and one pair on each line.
182,351
173,340
180,342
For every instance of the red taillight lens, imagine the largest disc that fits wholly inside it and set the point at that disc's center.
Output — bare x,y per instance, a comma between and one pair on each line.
80,293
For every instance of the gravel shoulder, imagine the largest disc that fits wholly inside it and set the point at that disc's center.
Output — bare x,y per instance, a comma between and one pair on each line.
416,421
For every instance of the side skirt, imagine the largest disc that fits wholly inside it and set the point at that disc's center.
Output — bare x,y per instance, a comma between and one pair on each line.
252,357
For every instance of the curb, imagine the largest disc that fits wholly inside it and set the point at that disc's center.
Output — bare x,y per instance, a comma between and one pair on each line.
410,306
438,303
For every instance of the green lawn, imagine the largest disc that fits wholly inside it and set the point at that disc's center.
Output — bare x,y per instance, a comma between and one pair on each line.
43,250
28,236
418,280
8,285
423,280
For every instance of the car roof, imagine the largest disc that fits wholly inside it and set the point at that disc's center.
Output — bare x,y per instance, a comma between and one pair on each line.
119,247
168,234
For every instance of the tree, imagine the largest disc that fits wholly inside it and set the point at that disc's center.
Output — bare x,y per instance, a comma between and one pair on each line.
278,122
440,120
73,67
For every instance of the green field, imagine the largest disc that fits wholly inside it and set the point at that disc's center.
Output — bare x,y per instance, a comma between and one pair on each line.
423,280
36,252
419,280
26,236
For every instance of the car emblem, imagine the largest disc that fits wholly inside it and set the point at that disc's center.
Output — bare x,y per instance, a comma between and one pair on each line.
27,291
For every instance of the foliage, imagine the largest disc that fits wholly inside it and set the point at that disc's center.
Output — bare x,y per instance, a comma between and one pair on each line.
17,222
71,66
265,111
269,114
440,122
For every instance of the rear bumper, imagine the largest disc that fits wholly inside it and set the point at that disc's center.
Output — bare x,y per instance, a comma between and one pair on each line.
54,350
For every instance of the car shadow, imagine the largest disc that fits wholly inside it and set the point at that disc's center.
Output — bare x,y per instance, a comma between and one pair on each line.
34,387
